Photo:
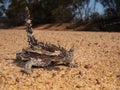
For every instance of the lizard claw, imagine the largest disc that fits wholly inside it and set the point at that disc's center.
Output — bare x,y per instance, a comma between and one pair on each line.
27,71
72,66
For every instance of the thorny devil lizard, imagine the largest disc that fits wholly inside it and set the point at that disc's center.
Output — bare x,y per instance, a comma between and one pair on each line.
40,53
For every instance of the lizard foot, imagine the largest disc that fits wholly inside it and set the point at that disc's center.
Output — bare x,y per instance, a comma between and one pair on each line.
27,71
72,65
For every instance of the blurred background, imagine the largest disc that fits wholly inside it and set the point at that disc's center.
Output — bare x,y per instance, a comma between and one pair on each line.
87,15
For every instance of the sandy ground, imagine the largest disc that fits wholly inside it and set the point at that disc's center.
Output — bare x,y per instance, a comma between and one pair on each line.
97,55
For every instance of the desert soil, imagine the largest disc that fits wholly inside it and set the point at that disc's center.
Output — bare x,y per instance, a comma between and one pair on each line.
97,55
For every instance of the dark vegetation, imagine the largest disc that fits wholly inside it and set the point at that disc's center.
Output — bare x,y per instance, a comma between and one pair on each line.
62,11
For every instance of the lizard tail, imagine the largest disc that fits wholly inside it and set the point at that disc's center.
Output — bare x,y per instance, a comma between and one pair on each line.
31,39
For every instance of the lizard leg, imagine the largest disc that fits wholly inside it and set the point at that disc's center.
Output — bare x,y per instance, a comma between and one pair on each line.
28,66
70,64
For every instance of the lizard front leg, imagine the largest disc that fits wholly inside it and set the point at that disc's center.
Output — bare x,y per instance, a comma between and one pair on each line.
27,67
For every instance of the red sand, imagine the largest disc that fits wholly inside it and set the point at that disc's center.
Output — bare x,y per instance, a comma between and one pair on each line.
96,53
